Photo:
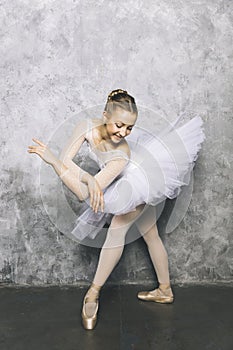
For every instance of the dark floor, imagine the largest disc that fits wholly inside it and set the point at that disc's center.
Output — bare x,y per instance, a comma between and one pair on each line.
50,318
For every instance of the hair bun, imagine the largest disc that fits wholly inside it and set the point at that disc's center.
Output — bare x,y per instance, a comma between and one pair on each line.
115,92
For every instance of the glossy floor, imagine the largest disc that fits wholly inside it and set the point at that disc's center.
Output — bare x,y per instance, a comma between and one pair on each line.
50,318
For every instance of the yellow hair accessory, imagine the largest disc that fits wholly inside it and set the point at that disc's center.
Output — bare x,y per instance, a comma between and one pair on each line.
116,92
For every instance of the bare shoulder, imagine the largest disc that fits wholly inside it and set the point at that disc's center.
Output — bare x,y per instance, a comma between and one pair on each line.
82,124
81,128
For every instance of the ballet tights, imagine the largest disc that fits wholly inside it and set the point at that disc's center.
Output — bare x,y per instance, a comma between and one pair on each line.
114,245
110,253
146,225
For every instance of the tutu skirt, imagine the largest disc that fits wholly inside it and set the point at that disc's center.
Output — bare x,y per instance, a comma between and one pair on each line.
159,165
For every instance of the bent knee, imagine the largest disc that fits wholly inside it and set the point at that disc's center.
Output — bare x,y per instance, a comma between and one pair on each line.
120,220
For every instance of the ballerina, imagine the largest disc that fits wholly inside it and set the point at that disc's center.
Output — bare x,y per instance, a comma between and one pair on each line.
151,176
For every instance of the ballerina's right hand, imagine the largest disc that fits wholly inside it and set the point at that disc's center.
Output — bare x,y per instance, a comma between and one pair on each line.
96,194
43,151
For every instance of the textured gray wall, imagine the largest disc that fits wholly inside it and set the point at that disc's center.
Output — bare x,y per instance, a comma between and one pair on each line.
61,57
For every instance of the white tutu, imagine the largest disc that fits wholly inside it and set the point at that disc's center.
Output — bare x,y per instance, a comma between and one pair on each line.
159,165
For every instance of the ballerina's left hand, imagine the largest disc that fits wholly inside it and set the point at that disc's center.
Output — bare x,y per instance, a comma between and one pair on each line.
43,151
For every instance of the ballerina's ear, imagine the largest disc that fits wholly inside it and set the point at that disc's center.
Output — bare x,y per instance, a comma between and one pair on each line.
105,117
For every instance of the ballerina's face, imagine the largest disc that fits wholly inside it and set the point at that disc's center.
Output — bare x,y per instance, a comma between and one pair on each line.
119,124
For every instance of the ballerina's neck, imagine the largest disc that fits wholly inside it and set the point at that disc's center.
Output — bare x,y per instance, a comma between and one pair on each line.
101,144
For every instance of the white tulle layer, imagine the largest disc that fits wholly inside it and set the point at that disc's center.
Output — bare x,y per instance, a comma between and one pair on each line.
158,167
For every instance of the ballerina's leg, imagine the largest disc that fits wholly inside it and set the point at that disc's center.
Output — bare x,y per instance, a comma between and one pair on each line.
146,225
110,253
114,244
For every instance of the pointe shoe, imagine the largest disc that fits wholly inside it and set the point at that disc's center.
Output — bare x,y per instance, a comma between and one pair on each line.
89,319
158,295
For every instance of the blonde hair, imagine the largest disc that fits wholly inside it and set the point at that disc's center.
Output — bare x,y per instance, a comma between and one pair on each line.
120,99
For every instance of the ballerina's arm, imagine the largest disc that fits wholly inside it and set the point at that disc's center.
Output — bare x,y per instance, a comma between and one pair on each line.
111,170
75,177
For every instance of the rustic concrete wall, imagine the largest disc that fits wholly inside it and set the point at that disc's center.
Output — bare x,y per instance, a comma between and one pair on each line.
61,57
